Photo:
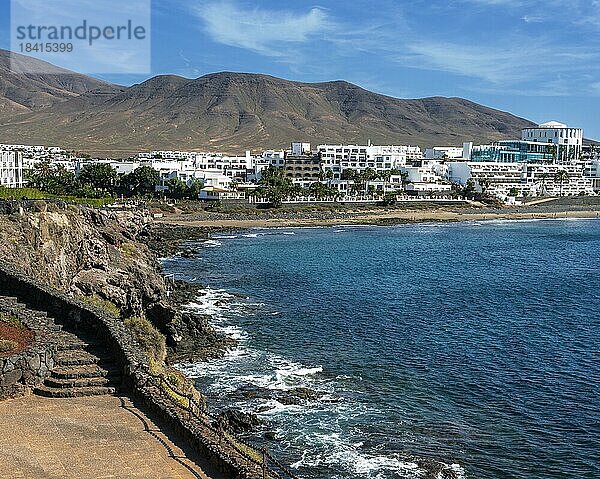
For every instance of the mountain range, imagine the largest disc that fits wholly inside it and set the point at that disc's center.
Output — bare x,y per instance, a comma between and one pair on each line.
228,112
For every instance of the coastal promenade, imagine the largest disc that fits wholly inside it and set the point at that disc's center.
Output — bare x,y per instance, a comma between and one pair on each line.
90,438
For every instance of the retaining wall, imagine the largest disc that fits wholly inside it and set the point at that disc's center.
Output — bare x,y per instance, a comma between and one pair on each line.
126,352
26,370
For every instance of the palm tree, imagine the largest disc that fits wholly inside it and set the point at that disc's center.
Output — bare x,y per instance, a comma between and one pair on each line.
552,150
329,176
544,177
484,184
561,176
385,175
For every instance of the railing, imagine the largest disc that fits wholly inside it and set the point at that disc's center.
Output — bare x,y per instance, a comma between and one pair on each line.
266,465
360,199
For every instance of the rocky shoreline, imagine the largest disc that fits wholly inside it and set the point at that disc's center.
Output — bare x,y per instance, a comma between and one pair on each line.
192,338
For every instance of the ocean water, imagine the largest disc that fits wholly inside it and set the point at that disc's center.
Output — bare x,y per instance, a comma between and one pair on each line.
438,350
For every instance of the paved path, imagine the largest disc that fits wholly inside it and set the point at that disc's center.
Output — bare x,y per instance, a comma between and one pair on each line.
88,438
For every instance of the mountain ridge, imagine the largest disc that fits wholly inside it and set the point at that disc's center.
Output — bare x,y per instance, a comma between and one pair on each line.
230,112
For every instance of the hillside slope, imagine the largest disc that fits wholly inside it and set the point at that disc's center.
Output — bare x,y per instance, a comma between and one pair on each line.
21,91
231,112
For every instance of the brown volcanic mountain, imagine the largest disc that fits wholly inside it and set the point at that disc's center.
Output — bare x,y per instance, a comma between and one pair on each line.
21,91
233,112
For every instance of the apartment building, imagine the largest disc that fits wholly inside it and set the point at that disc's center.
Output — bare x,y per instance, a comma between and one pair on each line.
444,152
499,179
567,141
303,169
526,179
11,169
337,158
543,180
429,176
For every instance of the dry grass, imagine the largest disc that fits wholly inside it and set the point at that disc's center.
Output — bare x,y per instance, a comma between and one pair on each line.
7,345
150,339
11,321
103,304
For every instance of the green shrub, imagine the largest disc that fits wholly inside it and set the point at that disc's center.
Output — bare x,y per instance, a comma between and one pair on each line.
11,321
6,345
103,304
129,250
152,342
35,194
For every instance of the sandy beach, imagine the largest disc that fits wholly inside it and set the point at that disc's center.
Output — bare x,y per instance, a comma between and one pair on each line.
283,220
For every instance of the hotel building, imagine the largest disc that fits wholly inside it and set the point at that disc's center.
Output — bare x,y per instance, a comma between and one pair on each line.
11,169
337,158
567,141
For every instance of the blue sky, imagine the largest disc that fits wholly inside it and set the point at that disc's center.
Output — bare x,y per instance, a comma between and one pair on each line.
537,59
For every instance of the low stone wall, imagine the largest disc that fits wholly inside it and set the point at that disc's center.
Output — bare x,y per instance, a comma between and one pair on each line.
27,369
75,314
125,351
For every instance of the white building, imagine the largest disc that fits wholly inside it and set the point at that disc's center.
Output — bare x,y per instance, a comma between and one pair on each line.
11,169
446,152
568,141
591,169
337,158
498,179
525,179
542,180
299,149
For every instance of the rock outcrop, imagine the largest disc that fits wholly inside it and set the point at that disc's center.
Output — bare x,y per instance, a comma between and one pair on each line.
87,253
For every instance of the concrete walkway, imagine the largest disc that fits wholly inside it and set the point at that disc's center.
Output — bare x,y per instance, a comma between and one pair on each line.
89,438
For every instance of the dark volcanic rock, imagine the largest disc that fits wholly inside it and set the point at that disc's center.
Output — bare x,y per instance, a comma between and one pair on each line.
167,240
191,338
86,252
238,422
297,396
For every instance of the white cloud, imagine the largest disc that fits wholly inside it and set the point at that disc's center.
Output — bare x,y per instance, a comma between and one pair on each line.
268,32
535,18
517,61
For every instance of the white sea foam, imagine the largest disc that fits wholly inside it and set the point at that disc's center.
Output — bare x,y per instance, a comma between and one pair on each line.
334,450
295,370
225,237
457,470
212,243
319,428
209,303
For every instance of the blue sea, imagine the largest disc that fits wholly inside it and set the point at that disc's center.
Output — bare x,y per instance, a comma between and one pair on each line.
437,350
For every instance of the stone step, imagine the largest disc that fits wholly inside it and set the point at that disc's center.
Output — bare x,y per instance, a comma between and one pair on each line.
69,342
51,392
75,383
76,372
75,358
71,346
12,299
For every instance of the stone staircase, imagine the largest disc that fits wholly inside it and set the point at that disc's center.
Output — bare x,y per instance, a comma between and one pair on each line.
82,367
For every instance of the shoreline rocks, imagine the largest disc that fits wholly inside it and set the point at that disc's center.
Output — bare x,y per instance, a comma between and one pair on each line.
238,422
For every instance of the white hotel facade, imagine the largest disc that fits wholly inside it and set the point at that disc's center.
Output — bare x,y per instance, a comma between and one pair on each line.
337,158
526,179
11,169
568,141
